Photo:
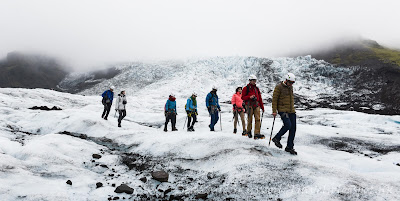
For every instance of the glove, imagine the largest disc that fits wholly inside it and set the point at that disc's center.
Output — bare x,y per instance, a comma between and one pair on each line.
219,109
234,106
209,109
189,114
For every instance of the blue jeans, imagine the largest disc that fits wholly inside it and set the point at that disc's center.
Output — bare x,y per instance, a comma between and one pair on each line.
289,124
214,119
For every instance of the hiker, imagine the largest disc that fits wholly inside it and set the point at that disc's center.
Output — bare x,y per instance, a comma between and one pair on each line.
283,104
170,112
120,105
191,110
238,110
107,102
251,95
213,107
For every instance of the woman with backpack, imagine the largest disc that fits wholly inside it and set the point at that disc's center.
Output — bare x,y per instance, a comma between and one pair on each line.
121,106
238,110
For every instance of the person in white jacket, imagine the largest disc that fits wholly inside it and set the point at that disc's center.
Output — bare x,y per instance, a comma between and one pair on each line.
121,106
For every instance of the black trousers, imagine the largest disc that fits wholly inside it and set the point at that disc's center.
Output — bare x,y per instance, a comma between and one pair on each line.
172,117
192,116
106,111
122,114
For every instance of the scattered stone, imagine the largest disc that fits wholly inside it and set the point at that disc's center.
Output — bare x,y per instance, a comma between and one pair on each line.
45,108
190,178
111,175
104,166
116,198
96,156
279,199
93,161
181,188
168,191
113,185
69,182
398,164
201,196
99,184
123,188
160,190
143,179
160,176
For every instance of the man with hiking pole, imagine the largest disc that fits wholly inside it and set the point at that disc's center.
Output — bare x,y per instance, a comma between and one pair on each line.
251,95
283,104
213,107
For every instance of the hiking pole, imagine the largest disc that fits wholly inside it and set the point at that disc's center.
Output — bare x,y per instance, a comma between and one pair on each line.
271,132
262,115
115,114
220,120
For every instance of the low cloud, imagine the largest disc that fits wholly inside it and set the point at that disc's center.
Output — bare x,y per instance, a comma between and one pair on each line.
91,34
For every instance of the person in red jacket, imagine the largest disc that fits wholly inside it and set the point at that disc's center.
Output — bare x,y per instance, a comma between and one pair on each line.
238,110
251,95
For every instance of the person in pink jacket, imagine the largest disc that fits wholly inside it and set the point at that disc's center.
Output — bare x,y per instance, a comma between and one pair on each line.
238,110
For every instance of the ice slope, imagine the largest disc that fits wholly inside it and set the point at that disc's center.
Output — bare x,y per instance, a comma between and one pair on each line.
342,155
315,79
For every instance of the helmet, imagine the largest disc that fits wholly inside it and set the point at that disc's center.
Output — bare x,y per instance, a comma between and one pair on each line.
171,94
214,88
252,77
194,94
290,77
112,87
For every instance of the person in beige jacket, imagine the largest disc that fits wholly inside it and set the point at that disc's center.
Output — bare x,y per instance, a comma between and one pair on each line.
283,104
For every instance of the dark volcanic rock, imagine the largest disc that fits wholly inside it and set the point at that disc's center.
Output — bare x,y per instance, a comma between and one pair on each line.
44,108
143,179
99,184
160,176
69,182
201,196
398,164
96,156
123,188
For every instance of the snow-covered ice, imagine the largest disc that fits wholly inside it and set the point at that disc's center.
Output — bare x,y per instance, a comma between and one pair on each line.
343,155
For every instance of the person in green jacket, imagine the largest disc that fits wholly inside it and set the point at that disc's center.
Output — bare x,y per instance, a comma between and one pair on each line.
283,104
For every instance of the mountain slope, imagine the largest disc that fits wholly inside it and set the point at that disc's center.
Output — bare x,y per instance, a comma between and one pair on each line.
319,84
31,71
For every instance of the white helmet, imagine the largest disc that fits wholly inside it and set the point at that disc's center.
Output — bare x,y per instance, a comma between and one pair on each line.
252,77
171,94
112,87
194,94
290,77
214,88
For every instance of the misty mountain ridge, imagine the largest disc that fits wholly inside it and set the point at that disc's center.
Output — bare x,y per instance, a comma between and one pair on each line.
357,75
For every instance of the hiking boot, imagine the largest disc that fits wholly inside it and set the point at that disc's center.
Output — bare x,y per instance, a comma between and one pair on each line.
165,129
105,118
119,125
234,130
189,129
174,129
291,151
277,143
244,133
249,134
258,136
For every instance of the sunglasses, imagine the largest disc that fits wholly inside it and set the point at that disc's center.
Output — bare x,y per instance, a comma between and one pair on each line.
253,80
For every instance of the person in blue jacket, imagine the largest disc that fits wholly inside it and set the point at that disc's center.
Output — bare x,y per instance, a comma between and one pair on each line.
191,110
170,112
107,102
213,107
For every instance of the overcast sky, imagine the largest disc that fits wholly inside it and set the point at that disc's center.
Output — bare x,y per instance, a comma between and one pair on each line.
88,33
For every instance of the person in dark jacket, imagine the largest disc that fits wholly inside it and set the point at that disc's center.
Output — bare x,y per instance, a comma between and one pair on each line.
170,112
120,106
191,110
213,107
251,95
107,102
283,104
